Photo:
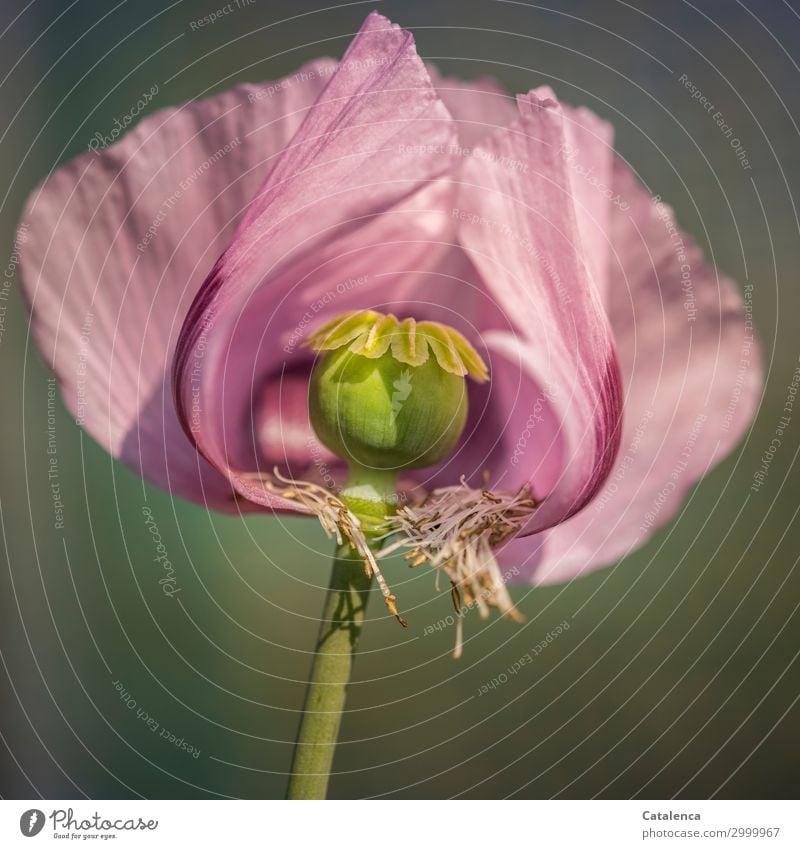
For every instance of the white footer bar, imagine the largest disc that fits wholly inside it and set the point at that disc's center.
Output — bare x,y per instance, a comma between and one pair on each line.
406,824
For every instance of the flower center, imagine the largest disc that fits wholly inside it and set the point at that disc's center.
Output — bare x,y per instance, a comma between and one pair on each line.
386,396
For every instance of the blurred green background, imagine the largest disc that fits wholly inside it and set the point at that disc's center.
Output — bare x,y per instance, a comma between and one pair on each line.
679,673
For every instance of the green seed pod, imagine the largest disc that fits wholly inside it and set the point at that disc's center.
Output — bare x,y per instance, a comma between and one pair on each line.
390,395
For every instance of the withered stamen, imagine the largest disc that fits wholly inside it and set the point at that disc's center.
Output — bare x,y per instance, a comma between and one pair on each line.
337,520
456,530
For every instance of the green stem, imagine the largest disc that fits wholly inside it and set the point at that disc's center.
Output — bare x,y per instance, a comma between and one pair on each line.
370,496
342,621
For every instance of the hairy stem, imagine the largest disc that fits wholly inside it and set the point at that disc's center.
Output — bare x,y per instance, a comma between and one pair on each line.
371,496
342,621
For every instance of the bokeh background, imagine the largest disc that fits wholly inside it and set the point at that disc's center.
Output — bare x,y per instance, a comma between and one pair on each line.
679,673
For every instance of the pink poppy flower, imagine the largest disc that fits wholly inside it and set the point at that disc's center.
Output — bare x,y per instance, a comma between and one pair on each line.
174,276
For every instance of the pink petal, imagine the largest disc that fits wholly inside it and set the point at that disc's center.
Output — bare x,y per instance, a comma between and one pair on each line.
519,225
692,377
357,205
479,107
589,154
117,244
